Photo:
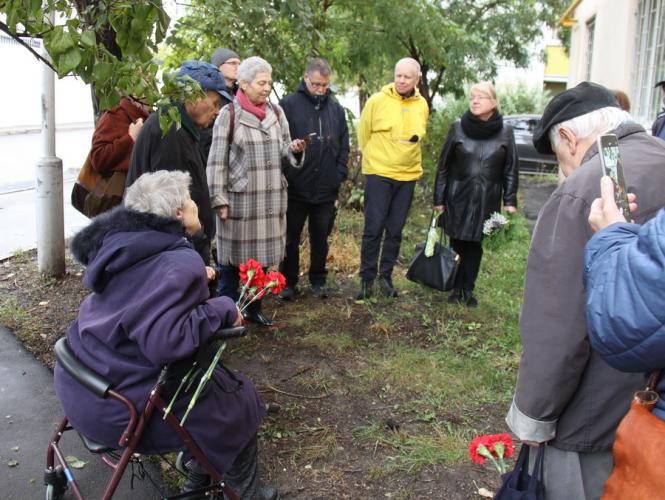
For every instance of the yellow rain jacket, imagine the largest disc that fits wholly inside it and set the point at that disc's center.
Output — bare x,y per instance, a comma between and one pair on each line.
391,131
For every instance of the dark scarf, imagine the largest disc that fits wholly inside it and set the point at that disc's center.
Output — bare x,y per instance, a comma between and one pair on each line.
476,128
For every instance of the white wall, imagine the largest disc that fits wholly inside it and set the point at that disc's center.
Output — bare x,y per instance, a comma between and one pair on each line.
613,45
20,87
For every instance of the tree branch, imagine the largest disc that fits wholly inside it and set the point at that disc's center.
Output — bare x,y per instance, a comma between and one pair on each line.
5,29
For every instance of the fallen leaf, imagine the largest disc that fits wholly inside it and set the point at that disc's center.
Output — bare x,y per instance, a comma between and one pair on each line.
484,492
75,463
12,463
43,303
15,448
32,480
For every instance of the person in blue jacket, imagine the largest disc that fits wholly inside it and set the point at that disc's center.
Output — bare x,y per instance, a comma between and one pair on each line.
625,282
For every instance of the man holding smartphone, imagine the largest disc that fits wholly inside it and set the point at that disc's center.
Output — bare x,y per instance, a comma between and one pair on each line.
315,116
566,395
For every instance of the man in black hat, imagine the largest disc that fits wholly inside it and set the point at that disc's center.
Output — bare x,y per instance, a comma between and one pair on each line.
179,148
566,395
658,127
227,61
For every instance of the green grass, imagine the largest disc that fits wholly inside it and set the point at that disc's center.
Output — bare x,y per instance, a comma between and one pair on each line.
442,366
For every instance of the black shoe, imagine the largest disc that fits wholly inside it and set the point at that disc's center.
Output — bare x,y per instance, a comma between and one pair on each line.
197,478
287,293
469,299
365,291
387,288
253,314
320,290
266,493
455,297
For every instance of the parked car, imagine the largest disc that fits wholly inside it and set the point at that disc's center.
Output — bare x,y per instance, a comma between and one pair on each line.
531,161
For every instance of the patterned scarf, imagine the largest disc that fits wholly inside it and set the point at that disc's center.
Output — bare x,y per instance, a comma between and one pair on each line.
258,110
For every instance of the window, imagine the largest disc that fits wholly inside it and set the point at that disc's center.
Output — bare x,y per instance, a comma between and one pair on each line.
590,30
649,59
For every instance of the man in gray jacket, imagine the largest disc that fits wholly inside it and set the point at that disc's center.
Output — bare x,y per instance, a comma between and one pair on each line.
566,395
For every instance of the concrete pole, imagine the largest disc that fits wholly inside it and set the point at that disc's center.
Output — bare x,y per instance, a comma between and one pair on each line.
49,204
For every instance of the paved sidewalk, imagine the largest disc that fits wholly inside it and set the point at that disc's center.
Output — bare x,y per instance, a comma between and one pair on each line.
29,411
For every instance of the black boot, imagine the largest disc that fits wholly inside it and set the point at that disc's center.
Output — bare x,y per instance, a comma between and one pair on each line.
469,299
455,297
387,288
365,290
197,477
253,314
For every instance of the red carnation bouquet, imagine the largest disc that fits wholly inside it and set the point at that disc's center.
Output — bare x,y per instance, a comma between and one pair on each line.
256,283
494,447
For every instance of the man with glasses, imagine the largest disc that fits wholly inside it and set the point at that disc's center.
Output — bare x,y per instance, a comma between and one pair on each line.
227,61
392,127
313,115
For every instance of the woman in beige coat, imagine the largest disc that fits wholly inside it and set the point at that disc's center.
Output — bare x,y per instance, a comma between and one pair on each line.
250,143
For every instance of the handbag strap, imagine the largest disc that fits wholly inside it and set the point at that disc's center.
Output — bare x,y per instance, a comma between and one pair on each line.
443,240
537,475
654,378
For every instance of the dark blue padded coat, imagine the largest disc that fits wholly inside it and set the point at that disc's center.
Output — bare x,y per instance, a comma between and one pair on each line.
625,282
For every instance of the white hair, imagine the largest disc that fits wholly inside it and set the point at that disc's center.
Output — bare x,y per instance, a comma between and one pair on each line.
595,122
415,64
160,193
252,66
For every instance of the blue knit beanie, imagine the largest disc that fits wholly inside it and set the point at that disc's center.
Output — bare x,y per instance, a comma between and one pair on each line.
208,76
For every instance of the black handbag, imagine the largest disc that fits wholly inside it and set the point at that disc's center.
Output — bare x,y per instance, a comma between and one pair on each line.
437,271
518,484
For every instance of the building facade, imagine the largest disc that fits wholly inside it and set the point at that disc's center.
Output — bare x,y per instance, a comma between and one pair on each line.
619,44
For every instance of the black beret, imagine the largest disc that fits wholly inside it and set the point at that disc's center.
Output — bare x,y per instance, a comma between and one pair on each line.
579,100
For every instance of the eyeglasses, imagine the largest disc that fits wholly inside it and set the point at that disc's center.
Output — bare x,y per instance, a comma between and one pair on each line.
318,85
478,97
232,63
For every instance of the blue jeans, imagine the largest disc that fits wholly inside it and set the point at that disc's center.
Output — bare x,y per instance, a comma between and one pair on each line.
229,282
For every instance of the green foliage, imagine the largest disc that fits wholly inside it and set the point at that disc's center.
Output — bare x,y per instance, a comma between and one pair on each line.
522,98
455,42
109,44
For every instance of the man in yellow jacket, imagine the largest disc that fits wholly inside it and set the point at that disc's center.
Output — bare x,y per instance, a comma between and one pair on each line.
392,127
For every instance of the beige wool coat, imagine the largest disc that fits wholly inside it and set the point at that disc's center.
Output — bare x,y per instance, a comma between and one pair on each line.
248,177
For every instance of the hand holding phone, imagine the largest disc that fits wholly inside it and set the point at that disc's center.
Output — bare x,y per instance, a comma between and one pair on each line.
612,165
309,137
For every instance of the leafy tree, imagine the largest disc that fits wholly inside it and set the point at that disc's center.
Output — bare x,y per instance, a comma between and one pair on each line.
109,44
455,41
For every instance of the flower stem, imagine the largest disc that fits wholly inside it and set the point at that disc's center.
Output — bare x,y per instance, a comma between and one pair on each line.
204,380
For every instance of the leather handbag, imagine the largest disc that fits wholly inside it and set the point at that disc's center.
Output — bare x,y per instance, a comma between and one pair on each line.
638,456
94,193
518,484
437,271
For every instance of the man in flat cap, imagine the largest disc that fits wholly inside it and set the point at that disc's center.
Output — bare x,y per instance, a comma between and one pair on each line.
658,127
179,148
566,395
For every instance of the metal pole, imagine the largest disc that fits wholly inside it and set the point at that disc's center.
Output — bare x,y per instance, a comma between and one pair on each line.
49,204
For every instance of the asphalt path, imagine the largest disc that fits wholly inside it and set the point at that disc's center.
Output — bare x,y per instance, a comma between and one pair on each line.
29,412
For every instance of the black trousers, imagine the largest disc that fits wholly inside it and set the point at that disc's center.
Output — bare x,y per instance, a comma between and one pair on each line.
321,217
471,253
387,204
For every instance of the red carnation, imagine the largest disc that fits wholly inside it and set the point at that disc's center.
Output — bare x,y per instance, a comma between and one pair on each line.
251,272
480,444
494,447
274,281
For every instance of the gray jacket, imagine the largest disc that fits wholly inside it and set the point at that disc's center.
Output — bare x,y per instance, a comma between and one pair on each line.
565,393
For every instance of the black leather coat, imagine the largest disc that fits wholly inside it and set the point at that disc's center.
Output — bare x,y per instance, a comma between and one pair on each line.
470,178
325,167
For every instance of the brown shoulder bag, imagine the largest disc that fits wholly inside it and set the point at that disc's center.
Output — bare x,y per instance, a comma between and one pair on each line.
639,472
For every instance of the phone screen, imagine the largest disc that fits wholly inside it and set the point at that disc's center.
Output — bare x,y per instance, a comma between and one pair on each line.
610,159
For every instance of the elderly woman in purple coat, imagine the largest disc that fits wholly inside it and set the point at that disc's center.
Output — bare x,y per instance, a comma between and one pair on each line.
150,306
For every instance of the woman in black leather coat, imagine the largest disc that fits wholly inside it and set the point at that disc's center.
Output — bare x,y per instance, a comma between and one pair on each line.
478,164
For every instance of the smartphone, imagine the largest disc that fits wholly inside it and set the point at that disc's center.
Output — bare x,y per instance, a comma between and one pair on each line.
612,165
309,137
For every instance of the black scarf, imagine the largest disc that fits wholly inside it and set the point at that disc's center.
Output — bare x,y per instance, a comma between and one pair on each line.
476,128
